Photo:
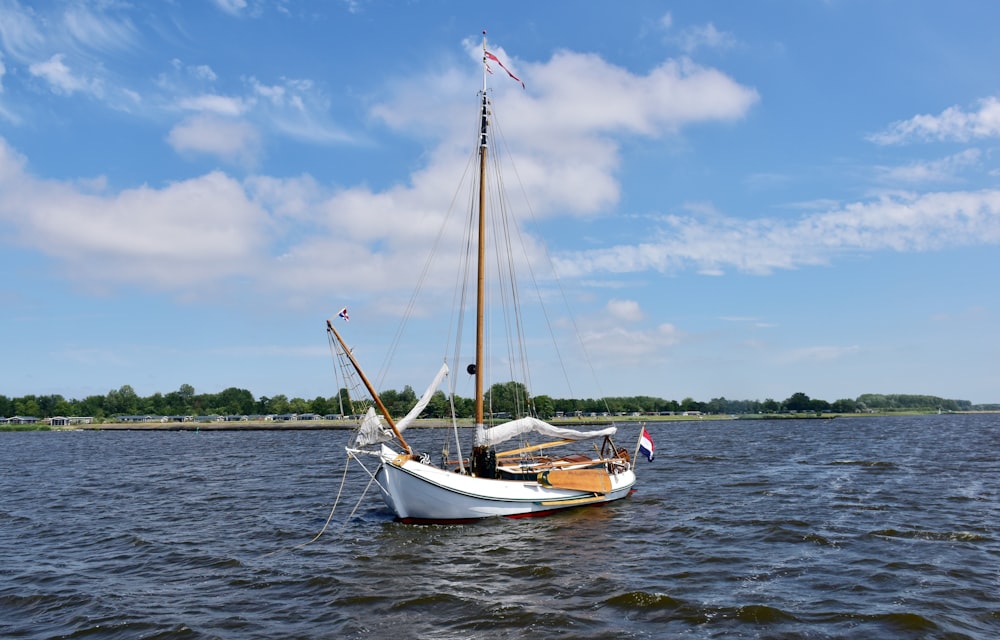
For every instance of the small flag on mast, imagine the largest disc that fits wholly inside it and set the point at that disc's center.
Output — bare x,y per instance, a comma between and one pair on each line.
343,314
646,447
497,60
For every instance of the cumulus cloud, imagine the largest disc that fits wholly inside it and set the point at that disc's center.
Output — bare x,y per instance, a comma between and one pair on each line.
198,232
233,140
566,131
175,236
952,124
625,310
566,128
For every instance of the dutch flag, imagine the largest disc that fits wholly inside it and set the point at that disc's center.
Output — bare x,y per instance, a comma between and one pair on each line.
646,447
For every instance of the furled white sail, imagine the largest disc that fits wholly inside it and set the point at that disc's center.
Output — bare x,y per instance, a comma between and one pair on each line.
372,430
507,430
424,399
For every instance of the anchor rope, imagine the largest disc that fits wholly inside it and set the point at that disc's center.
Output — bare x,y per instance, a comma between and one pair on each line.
336,501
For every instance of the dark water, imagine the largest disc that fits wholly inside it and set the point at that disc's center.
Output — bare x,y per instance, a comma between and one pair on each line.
849,528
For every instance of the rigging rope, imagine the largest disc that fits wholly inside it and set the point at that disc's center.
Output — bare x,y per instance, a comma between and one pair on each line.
498,134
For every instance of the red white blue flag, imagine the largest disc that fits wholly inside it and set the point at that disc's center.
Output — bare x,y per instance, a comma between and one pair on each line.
497,60
646,447
343,314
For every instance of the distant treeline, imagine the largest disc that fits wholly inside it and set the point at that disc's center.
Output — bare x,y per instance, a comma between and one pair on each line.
507,398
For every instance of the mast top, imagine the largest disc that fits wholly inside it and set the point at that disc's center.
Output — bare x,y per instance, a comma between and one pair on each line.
485,67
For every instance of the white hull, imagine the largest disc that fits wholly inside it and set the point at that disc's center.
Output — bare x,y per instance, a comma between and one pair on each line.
422,492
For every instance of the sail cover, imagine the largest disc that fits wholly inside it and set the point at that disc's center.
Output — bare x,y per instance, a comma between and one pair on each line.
507,430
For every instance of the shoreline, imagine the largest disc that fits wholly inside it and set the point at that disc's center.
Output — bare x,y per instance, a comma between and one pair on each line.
437,423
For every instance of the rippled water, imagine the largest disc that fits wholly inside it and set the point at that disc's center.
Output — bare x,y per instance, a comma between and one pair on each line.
848,528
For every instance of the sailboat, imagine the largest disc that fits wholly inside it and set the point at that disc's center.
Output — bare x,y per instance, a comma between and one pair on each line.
537,473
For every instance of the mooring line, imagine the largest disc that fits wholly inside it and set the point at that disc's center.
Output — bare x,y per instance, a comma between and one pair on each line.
343,480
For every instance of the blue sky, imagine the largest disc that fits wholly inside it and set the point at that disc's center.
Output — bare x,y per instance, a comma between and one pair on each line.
744,200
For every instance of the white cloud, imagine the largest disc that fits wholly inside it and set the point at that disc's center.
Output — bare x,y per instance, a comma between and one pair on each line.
952,124
232,140
296,108
222,105
566,126
689,39
61,78
707,36
192,233
630,346
19,33
577,102
295,198
625,310
904,222
943,170
98,30
233,7
203,72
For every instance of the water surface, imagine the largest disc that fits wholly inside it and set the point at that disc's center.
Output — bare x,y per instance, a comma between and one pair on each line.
847,528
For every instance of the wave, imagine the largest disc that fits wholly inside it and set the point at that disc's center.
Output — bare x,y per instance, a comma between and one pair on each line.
879,464
946,536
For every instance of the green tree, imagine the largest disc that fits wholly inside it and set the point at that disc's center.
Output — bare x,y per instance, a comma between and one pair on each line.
401,401
770,405
544,406
438,407
797,402
6,407
844,405
689,404
186,392
320,406
507,397
818,405
278,404
27,406
233,401
124,401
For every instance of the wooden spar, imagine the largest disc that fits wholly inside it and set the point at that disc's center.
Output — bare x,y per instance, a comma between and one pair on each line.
481,264
371,389
534,447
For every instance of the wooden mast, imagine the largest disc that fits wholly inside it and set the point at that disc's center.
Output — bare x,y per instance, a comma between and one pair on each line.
481,465
371,389
481,263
